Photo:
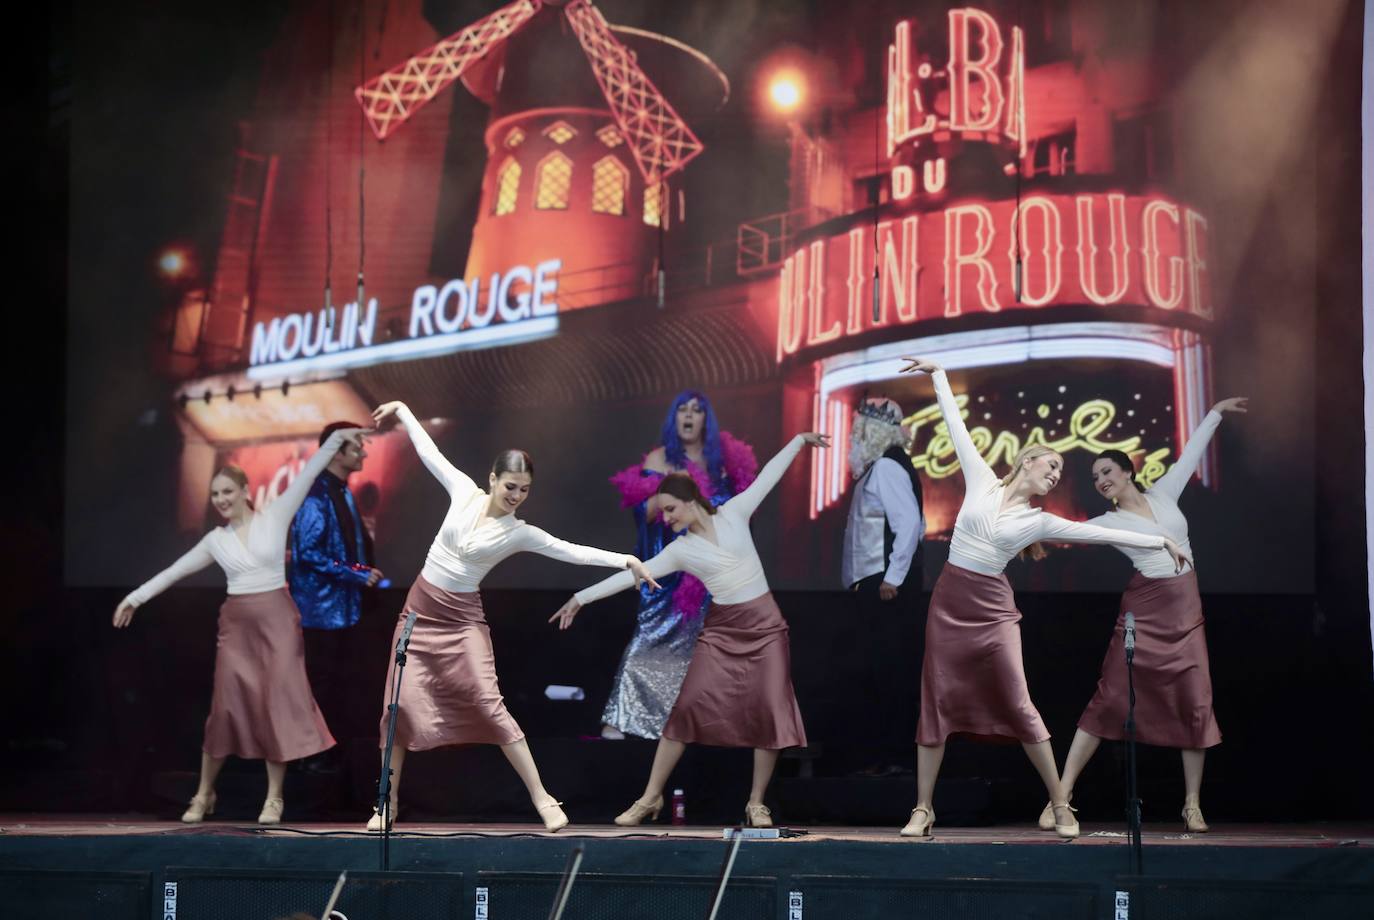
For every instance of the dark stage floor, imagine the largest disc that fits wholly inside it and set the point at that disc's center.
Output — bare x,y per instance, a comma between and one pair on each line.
135,867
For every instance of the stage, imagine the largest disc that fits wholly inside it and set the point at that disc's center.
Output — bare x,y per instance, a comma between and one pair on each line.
126,864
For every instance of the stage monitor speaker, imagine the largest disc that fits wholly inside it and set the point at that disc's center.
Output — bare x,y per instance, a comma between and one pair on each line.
833,897
31,894
270,894
1179,898
528,895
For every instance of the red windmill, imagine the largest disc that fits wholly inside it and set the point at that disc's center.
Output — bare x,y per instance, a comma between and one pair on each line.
661,141
561,149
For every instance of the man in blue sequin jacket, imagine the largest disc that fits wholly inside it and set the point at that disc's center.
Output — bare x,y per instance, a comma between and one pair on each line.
331,563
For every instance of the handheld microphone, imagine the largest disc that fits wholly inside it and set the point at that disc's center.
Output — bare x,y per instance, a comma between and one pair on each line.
404,641
1016,280
1130,634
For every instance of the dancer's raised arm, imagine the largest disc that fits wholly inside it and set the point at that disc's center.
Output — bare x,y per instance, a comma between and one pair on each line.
977,473
285,505
748,501
455,481
1181,473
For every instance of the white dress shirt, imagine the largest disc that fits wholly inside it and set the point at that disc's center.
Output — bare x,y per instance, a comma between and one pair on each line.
882,498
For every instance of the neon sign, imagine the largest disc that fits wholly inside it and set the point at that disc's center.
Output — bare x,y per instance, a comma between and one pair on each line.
985,90
519,305
1088,424
1107,250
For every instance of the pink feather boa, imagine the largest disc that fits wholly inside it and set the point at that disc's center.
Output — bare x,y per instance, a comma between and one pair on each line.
635,488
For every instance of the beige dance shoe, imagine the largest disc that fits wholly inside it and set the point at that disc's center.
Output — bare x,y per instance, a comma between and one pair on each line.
374,823
921,824
757,816
201,805
271,811
1067,830
554,818
1192,819
1046,822
640,810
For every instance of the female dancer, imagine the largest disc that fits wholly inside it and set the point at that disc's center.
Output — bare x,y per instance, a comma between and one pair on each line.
669,619
262,706
738,689
972,679
450,694
1172,683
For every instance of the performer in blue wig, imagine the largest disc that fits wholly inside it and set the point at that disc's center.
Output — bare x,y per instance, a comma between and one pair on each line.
669,618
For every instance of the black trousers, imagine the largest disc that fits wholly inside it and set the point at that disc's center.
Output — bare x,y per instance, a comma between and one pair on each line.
331,662
890,638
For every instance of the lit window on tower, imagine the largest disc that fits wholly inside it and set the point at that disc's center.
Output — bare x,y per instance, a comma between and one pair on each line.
514,137
560,132
656,204
610,136
553,181
610,181
507,186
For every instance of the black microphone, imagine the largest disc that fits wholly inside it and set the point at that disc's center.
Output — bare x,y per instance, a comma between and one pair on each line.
1016,280
404,641
1130,634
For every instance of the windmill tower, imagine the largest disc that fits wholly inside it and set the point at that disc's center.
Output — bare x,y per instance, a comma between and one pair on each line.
582,148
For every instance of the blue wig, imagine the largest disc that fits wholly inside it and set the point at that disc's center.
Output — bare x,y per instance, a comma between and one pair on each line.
673,450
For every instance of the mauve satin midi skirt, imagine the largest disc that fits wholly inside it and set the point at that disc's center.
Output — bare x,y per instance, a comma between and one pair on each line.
449,693
262,707
738,688
973,681
1173,682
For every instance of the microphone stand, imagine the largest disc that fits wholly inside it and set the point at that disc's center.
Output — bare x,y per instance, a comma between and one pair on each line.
736,838
1132,791
392,713
560,898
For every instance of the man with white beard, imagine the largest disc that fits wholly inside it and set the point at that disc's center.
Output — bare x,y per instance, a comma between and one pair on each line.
885,524
881,566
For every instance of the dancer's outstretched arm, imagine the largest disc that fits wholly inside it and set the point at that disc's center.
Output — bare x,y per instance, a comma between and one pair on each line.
193,561
535,540
664,563
1055,529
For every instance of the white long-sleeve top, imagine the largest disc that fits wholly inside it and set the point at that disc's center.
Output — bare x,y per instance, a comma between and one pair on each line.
466,547
730,567
255,562
1163,501
988,536
882,498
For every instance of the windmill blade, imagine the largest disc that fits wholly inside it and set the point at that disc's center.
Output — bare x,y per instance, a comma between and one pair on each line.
394,95
661,141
